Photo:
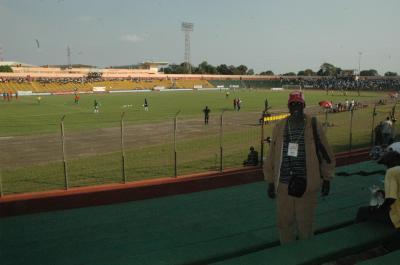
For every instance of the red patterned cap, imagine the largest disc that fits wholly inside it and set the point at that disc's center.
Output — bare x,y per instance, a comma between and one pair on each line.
296,96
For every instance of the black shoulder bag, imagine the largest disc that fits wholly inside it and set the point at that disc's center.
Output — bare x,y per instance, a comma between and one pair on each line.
319,147
297,186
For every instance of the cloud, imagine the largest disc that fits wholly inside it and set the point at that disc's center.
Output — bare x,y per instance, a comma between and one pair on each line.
133,38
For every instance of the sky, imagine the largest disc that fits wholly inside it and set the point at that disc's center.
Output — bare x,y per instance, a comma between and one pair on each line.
277,35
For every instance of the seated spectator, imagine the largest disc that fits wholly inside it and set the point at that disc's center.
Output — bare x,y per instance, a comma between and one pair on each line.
378,134
387,131
381,102
252,158
376,152
389,211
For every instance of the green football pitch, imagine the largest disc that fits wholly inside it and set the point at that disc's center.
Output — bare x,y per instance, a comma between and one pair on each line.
30,134
26,116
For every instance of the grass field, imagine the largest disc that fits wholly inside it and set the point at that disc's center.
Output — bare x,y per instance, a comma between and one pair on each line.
31,149
25,116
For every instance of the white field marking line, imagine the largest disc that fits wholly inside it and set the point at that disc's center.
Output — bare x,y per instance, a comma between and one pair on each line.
80,110
50,114
45,114
6,137
57,105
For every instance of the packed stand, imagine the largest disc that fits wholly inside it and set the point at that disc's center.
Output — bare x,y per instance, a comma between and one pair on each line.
340,83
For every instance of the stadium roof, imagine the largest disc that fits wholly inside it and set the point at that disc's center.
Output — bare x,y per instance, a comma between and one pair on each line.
16,64
154,63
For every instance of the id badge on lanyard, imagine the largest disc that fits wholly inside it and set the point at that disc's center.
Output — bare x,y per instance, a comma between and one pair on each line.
293,149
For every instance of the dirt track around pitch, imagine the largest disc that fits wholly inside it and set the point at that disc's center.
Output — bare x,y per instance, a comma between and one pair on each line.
33,150
40,149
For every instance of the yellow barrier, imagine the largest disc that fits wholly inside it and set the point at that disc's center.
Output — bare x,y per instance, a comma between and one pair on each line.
276,117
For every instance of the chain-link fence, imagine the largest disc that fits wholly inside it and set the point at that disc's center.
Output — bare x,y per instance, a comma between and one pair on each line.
357,128
148,150
175,147
31,163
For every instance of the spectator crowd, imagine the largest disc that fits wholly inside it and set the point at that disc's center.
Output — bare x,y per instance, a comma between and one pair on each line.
90,78
344,83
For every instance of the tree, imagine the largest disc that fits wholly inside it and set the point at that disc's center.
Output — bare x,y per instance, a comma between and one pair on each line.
177,69
309,72
223,70
390,73
371,72
327,69
338,71
233,70
241,69
185,69
269,72
6,69
290,74
250,72
206,68
202,68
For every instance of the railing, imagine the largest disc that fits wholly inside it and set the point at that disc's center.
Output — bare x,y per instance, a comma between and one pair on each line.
175,147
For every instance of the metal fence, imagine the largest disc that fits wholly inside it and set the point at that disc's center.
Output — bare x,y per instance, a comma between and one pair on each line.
179,146
127,152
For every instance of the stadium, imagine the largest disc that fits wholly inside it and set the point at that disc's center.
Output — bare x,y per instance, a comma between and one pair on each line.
119,165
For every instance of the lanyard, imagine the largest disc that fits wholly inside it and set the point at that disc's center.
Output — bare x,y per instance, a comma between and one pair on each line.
290,133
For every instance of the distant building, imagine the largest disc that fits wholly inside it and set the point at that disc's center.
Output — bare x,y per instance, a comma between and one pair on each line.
15,64
153,66
145,69
149,66
347,73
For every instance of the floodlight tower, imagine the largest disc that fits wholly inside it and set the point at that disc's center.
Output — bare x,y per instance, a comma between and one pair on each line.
187,28
69,57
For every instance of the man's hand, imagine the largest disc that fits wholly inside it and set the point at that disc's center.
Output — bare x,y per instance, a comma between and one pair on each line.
326,186
387,203
271,190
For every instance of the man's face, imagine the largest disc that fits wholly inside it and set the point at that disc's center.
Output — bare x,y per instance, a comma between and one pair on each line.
296,109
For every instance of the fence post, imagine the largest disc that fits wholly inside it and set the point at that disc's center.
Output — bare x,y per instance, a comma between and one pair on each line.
175,158
123,148
1,185
265,114
394,120
221,148
373,125
66,185
326,119
351,130
262,142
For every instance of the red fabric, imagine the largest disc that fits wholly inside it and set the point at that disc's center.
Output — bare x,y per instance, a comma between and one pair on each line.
325,104
296,96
